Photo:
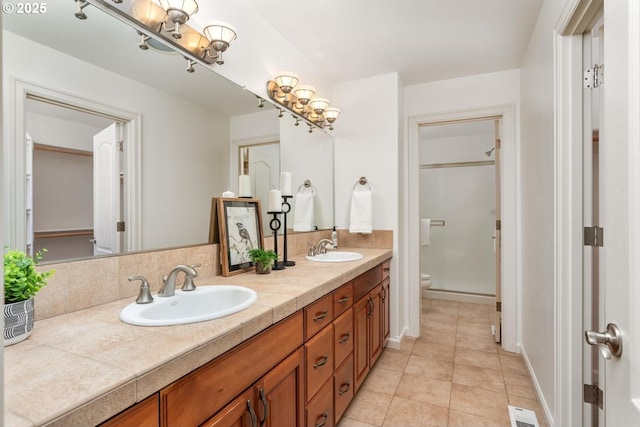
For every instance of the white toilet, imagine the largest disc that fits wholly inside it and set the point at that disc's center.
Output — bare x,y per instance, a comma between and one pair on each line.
425,283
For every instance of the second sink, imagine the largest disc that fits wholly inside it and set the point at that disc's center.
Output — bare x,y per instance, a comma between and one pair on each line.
336,256
203,303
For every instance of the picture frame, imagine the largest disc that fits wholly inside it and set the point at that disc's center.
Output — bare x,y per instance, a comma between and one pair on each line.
240,229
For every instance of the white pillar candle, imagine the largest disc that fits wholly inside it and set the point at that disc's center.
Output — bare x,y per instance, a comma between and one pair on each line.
229,194
244,186
285,184
275,201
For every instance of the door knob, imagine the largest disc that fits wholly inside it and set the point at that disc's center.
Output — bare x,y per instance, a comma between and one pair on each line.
609,342
92,240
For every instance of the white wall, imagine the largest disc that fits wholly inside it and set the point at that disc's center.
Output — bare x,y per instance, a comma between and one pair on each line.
185,148
366,144
536,171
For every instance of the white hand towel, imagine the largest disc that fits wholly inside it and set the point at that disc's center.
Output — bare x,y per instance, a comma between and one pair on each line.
425,231
303,214
361,212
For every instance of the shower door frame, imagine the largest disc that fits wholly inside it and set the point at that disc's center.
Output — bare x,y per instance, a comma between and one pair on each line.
510,224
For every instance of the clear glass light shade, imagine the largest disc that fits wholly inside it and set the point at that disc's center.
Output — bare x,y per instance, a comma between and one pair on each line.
147,12
189,7
305,93
332,114
287,80
319,105
220,35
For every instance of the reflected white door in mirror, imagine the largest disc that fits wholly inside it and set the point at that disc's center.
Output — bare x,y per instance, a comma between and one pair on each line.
69,184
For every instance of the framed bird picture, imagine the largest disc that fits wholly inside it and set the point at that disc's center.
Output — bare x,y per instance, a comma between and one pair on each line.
240,230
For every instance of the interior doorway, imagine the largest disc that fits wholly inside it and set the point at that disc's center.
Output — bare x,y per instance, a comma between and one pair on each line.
51,136
508,272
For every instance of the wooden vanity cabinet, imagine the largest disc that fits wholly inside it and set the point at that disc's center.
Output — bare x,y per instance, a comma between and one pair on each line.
143,414
196,397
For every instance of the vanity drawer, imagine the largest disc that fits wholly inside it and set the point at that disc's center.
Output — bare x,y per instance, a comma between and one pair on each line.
366,281
342,337
386,269
342,299
318,315
320,410
318,360
343,387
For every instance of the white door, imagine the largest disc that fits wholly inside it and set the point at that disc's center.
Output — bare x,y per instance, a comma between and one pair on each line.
620,157
106,191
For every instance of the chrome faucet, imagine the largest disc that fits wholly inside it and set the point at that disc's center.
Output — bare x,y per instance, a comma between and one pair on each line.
321,247
169,282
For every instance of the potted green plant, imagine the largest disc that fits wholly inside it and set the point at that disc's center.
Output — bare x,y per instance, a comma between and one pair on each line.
262,259
21,283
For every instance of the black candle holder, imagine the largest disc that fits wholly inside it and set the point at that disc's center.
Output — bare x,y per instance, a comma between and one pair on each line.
286,208
275,224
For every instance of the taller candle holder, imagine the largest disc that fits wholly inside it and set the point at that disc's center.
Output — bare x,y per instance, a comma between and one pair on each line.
275,224
286,208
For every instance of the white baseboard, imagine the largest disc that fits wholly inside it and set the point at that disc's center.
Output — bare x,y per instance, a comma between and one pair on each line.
458,296
394,342
543,403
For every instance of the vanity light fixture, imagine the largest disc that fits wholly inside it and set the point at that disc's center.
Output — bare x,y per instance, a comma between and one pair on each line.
318,105
331,115
286,81
304,93
300,100
178,12
220,36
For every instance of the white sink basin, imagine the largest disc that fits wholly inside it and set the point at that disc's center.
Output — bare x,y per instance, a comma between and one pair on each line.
204,303
336,256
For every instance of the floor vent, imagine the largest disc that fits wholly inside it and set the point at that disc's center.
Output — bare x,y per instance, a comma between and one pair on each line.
522,417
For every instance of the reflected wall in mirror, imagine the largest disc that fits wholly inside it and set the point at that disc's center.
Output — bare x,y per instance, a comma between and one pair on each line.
180,136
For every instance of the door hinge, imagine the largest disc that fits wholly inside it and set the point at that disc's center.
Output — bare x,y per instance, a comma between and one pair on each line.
499,306
593,77
594,236
120,145
120,226
498,224
593,395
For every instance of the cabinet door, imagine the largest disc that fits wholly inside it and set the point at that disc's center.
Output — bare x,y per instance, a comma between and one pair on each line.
360,340
239,413
280,393
375,325
386,330
143,414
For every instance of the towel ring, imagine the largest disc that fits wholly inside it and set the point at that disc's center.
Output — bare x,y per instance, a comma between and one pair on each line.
307,185
362,181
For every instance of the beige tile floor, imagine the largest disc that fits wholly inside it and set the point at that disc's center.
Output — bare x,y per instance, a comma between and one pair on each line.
454,375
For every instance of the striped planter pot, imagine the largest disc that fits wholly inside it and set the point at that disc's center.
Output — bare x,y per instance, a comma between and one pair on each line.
18,321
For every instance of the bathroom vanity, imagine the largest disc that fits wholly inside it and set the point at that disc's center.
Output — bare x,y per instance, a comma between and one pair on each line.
296,357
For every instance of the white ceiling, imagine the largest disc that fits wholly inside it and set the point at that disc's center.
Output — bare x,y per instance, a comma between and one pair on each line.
422,40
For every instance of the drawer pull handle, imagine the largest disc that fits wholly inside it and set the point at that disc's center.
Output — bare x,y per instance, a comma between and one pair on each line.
321,316
384,294
370,306
323,361
252,414
344,338
265,407
324,419
344,388
386,269
344,299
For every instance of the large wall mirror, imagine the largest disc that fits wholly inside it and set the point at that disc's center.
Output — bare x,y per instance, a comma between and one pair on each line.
72,88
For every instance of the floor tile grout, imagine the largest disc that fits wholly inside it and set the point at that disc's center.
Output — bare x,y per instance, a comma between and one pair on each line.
452,311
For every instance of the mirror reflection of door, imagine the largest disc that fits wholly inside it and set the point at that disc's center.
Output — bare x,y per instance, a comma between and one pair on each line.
62,198
262,163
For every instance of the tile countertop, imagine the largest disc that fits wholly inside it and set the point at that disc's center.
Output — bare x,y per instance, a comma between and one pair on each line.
81,368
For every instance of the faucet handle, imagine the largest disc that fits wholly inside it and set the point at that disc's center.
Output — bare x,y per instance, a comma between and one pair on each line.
144,297
312,250
188,284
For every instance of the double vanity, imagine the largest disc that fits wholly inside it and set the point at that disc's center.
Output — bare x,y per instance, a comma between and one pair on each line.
296,356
